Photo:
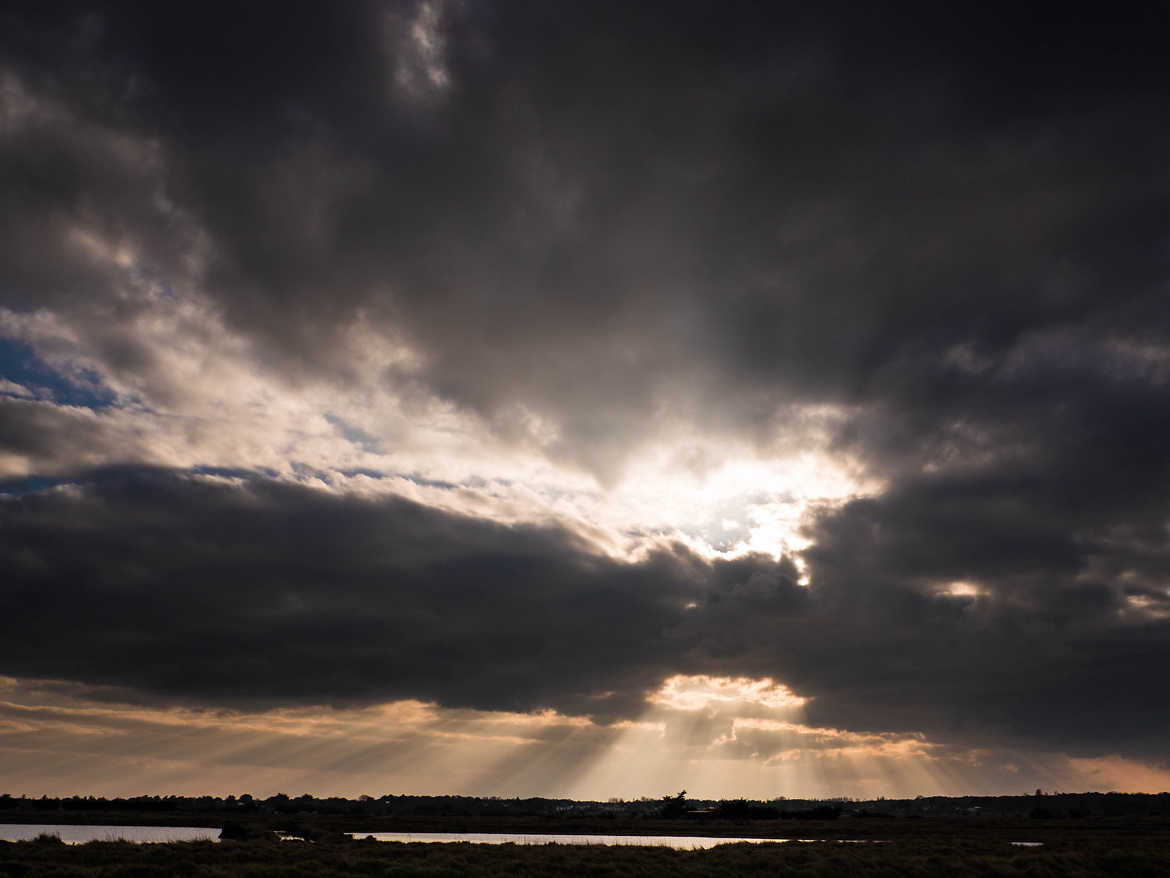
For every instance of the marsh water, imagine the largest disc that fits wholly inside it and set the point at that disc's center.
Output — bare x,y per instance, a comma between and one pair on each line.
683,842
74,834
80,834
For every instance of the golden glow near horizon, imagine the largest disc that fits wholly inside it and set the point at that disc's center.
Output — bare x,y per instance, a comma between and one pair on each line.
713,736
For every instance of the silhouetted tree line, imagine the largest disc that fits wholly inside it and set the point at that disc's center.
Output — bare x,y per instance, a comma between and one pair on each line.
1056,805
283,804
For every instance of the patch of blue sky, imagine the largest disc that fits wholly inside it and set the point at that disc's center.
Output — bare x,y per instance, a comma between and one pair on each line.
36,484
413,478
24,485
351,433
20,365
234,472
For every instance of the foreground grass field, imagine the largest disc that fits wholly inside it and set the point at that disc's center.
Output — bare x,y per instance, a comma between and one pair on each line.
1097,854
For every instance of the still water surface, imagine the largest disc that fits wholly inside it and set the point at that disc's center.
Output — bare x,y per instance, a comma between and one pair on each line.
74,834
81,834
685,842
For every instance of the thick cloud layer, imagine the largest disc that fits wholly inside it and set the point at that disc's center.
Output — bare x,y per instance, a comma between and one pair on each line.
263,593
258,593
544,264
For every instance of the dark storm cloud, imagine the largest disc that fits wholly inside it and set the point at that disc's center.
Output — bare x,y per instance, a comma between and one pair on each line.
61,437
266,593
952,226
1042,482
600,214
1051,650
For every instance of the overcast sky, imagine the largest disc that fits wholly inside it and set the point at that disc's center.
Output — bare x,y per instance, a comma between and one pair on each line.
583,399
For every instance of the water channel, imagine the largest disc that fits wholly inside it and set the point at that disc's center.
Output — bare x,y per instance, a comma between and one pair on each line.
80,834
683,842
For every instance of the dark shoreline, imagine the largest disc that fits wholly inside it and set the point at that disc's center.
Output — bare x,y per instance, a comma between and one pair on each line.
1080,834
1106,849
975,828
1037,817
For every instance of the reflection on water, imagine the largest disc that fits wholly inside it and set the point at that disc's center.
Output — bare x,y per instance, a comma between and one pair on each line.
1028,844
71,834
81,834
685,842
